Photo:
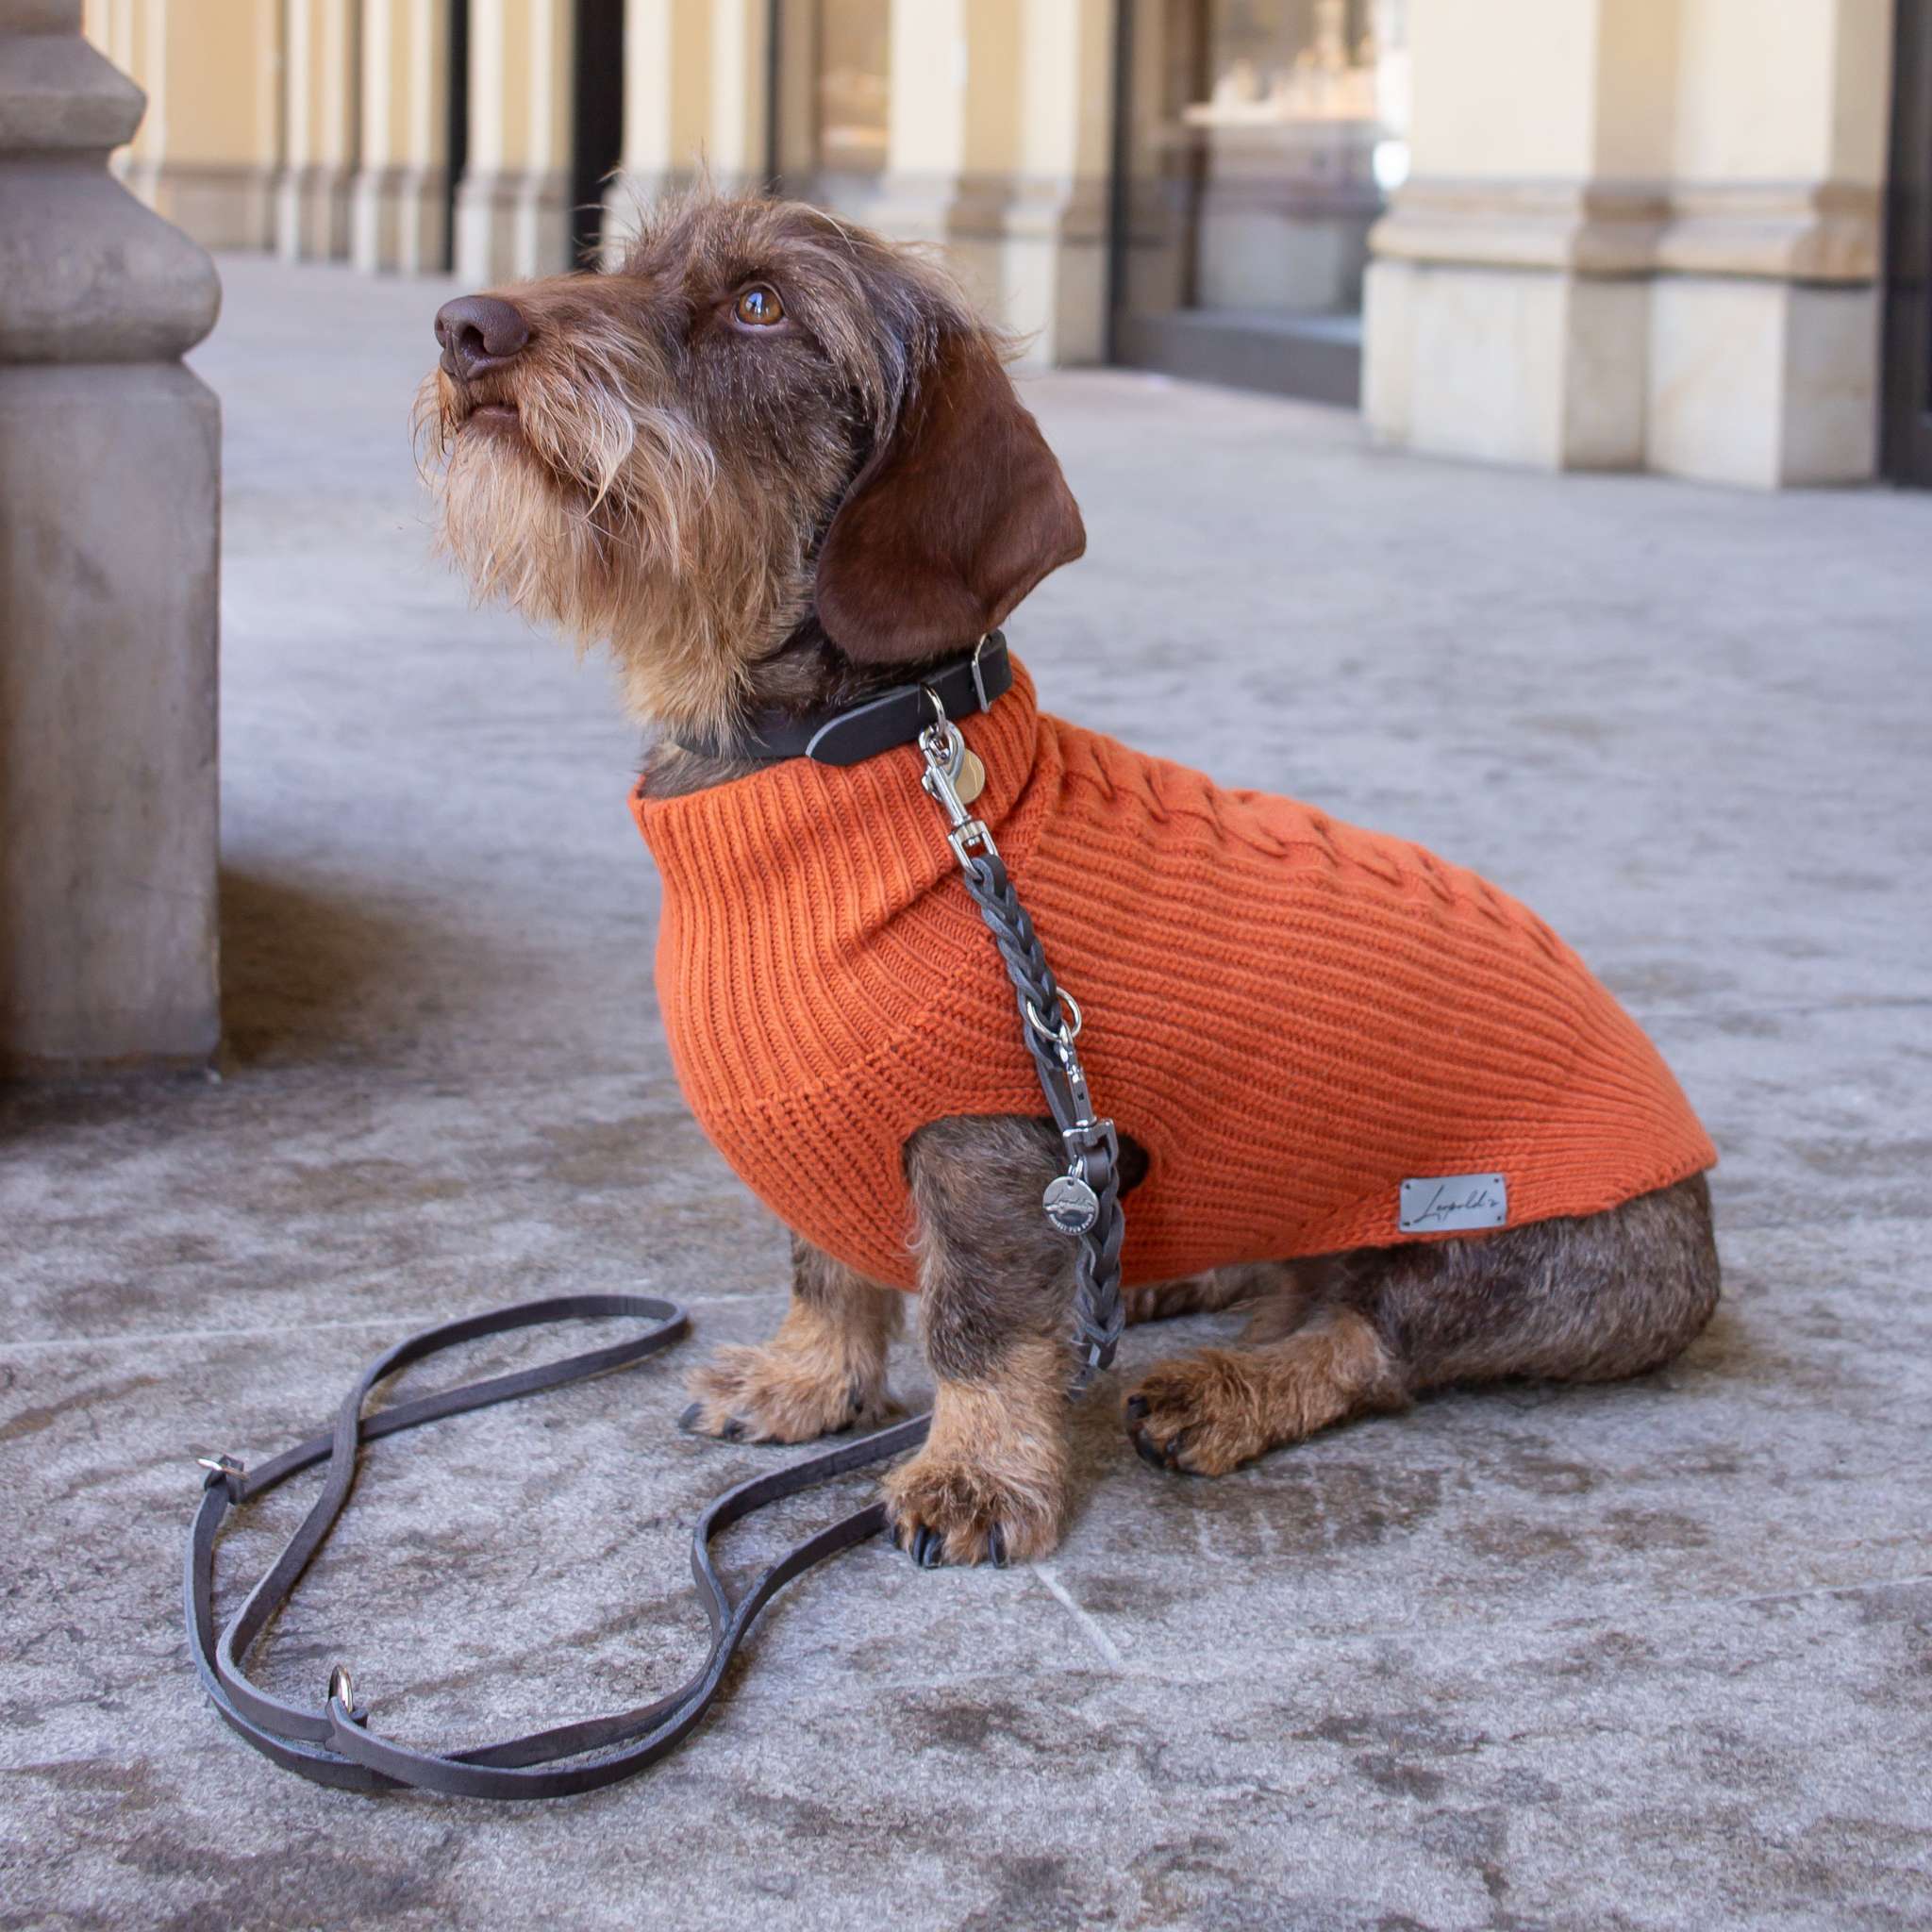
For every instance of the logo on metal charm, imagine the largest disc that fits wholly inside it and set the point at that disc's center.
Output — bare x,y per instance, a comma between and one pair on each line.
1070,1204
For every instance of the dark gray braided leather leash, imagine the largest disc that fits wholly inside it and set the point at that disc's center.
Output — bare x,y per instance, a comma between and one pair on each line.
1085,1202
334,1743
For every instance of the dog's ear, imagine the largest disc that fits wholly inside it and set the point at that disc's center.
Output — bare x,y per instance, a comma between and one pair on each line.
956,517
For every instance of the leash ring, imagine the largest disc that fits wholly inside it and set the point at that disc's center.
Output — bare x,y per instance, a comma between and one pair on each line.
1062,1032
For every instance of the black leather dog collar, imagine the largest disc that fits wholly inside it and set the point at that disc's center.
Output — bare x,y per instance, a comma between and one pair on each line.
895,717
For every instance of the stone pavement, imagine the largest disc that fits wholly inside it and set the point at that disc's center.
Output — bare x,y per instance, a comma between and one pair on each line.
1649,1656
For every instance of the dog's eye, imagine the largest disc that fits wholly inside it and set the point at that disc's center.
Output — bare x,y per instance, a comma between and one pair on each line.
758,306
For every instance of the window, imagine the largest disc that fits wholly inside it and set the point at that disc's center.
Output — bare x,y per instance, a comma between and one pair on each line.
1261,139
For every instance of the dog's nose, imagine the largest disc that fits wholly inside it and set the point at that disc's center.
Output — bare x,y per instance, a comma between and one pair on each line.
479,333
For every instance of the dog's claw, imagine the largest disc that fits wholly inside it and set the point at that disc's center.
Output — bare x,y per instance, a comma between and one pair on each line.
733,1430
927,1547
996,1547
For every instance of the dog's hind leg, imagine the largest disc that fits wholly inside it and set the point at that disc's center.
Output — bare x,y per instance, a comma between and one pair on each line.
1590,1299
823,1371
1210,1412
1208,1293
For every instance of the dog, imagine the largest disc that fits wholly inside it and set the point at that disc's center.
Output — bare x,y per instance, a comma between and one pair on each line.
775,464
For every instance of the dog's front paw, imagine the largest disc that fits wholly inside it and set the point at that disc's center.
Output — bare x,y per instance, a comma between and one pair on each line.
1197,1415
778,1393
944,1508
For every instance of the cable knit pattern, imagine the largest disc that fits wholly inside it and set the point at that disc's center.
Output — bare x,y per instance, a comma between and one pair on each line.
1290,1014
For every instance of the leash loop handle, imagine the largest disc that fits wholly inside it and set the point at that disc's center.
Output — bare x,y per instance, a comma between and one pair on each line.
335,1744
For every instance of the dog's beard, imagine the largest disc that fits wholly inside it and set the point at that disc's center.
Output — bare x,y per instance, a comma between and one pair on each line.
603,515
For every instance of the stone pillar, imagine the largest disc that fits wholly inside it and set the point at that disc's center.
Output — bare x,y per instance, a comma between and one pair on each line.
512,211
1054,227
1001,118
695,82
322,96
109,456
397,205
209,146
1764,340
1637,234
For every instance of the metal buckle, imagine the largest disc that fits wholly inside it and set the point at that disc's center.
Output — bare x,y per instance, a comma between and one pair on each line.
978,677
341,1686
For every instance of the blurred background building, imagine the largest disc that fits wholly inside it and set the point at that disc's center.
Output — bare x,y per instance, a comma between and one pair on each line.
1611,234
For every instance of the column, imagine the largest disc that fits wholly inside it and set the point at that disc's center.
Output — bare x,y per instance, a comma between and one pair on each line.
1001,119
398,202
109,456
321,117
1638,234
1764,342
694,105
207,151
512,210
1507,308
1055,238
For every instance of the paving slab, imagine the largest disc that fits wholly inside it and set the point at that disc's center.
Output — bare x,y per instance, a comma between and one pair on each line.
1650,1655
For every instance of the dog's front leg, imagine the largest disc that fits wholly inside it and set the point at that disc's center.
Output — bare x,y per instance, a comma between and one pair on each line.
995,1288
823,1371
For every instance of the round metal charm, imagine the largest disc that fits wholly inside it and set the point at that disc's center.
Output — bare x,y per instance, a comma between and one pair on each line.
1070,1204
970,780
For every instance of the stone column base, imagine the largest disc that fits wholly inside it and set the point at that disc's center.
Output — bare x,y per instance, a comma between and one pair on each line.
1033,254
397,218
1506,365
1768,384
221,206
1727,333
512,226
109,475
1724,380
313,213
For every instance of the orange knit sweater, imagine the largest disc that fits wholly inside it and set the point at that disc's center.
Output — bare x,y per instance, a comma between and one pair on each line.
1290,1015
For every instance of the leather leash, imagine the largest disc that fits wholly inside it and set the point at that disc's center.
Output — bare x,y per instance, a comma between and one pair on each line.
334,1744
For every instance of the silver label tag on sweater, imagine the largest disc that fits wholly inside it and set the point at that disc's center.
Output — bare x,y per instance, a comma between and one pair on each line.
1440,1203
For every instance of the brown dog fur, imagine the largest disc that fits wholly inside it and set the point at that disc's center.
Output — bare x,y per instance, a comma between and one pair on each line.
790,514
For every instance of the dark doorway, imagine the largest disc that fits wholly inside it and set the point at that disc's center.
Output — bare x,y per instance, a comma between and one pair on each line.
456,129
597,124
1907,406
1256,141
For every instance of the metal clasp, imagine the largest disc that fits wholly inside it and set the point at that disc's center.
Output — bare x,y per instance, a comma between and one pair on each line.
231,1470
944,750
340,1686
